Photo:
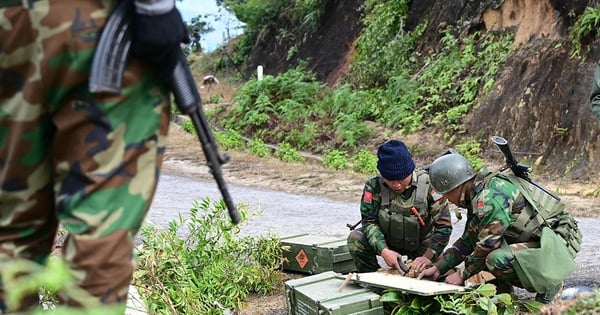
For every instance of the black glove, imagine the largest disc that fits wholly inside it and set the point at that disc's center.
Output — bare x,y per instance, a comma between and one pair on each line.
157,38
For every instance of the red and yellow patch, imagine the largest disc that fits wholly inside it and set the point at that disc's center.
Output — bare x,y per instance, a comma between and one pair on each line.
368,196
480,208
435,195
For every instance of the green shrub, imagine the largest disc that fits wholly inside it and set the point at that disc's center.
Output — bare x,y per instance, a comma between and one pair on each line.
585,29
336,159
286,153
188,126
230,139
364,162
480,300
258,148
200,265
471,150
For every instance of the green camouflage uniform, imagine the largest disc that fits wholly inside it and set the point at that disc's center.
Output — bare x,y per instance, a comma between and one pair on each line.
367,242
89,162
490,213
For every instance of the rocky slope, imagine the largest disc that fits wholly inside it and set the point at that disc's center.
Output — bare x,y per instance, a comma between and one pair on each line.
540,99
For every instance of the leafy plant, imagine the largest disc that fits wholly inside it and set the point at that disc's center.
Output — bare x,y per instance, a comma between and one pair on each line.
471,150
585,29
364,162
230,139
258,148
200,265
50,280
481,300
586,304
336,159
188,127
215,99
286,153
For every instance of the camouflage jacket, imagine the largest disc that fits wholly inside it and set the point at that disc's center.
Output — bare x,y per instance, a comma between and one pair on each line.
490,213
438,226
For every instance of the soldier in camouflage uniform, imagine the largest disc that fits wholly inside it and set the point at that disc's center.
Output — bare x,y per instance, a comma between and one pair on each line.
492,204
401,214
87,161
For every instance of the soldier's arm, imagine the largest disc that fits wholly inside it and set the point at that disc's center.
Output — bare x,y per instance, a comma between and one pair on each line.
493,215
439,211
370,204
462,247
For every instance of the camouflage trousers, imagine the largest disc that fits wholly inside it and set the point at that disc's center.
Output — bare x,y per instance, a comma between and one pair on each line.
499,262
88,162
365,256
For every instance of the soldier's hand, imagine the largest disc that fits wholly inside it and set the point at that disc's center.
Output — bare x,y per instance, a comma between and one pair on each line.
158,31
455,278
391,258
420,264
430,273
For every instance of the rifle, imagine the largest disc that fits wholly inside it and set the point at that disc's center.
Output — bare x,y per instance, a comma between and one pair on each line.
520,170
107,74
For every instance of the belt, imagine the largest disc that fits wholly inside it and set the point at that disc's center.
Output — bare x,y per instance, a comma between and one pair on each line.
12,3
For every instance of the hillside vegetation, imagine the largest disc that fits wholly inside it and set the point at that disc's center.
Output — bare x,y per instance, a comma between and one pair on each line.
342,76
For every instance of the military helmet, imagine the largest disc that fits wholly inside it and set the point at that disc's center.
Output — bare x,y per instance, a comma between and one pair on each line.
450,171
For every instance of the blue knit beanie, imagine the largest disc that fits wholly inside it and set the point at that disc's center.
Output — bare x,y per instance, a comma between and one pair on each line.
394,160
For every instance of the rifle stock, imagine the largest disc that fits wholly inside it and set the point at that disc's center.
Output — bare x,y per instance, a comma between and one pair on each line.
106,75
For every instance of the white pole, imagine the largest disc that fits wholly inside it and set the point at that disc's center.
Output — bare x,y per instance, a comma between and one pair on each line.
259,71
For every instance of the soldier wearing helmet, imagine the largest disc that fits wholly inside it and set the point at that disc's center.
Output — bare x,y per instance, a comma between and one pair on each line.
401,214
493,203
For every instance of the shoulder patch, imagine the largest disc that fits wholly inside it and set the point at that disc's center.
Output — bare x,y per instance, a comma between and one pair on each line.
480,208
368,196
435,195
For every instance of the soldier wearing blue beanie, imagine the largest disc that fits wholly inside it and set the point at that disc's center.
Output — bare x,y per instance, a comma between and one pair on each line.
394,161
402,215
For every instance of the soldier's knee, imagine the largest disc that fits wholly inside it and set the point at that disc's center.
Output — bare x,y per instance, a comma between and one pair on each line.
356,235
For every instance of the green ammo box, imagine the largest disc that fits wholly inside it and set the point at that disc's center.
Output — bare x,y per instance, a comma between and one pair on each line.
319,295
315,254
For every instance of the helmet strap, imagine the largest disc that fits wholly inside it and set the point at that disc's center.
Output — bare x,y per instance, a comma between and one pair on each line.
463,192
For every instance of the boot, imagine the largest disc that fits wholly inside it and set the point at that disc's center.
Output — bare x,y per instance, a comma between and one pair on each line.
549,296
503,287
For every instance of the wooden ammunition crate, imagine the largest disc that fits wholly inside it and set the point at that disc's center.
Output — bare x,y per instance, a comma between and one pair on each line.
314,254
319,295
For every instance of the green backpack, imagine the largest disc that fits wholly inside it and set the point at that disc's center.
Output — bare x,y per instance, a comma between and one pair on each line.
548,211
542,269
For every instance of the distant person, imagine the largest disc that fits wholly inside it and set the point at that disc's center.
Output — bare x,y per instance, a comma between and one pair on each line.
401,214
504,229
195,41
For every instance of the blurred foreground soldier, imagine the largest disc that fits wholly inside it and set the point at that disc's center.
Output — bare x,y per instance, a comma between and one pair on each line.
595,96
401,215
87,161
506,233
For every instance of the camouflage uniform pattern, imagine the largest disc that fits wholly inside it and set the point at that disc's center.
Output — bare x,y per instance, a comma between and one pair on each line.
368,241
89,162
490,213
